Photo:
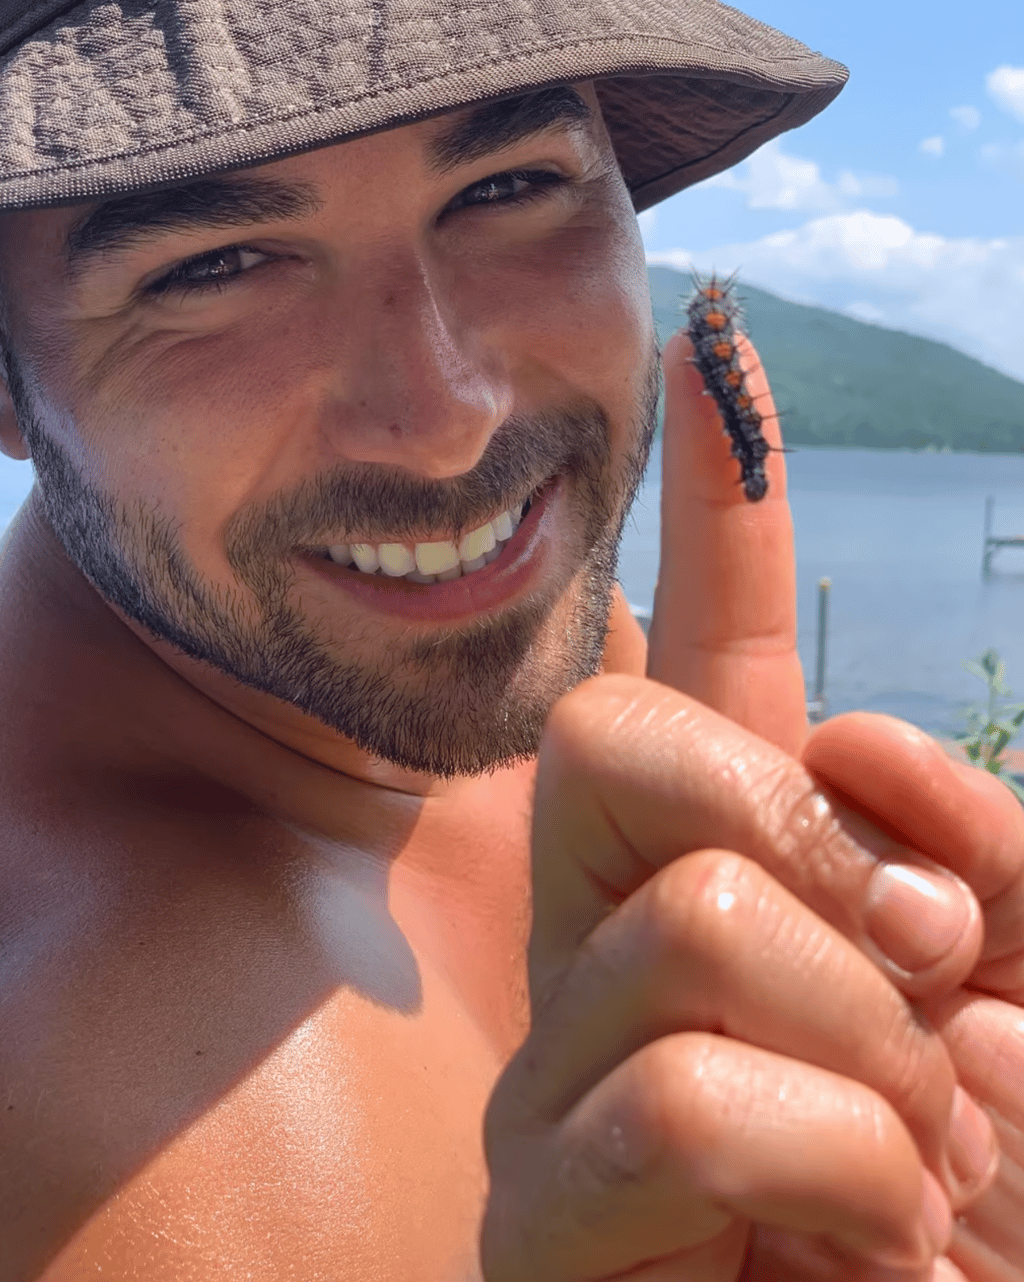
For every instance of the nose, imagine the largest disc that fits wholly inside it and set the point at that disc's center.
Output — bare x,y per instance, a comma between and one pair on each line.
423,388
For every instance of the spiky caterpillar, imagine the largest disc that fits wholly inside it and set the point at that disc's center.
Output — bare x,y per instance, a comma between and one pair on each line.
713,312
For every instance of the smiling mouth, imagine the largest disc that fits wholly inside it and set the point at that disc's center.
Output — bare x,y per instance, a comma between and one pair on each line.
432,562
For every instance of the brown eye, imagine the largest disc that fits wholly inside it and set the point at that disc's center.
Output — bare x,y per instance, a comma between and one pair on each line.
500,187
220,266
214,270
515,187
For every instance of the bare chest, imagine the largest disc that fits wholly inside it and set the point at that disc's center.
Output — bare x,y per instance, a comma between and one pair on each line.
351,1150
245,1064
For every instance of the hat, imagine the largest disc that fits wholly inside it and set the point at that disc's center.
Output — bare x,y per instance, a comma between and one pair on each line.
112,96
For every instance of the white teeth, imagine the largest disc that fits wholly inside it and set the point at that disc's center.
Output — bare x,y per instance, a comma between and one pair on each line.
365,556
476,544
435,558
437,562
396,559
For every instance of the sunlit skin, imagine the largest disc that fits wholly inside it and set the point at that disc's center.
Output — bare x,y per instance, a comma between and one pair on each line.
457,316
265,983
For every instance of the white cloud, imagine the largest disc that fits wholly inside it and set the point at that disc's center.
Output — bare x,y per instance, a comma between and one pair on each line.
932,146
964,291
770,179
969,117
1006,86
648,221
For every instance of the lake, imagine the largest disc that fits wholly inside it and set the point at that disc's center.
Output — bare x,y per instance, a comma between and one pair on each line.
900,536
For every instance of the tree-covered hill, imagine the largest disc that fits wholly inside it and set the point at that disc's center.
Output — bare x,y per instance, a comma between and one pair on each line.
838,381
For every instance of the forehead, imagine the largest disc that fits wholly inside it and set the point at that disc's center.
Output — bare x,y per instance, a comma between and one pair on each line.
445,142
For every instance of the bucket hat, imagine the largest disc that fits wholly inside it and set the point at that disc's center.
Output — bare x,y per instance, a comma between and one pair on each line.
111,96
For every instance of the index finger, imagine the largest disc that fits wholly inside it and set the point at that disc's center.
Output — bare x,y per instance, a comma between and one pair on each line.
609,811
724,622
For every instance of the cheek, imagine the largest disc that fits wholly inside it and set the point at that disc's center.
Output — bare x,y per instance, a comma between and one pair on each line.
578,314
196,427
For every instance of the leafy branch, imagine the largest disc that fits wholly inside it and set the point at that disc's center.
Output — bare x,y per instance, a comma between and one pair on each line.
990,729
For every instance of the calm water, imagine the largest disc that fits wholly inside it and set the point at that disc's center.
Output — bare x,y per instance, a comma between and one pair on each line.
900,535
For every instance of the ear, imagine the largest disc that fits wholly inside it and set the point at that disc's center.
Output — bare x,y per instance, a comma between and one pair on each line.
12,443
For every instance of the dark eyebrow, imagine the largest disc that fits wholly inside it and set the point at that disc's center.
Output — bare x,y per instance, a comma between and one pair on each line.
493,126
228,201
233,200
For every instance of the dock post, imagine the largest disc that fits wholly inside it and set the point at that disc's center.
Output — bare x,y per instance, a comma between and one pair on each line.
986,556
816,709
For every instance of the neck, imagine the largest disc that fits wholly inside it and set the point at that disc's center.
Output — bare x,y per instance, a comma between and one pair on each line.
106,689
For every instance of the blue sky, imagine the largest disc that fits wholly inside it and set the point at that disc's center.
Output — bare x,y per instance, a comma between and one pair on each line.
903,202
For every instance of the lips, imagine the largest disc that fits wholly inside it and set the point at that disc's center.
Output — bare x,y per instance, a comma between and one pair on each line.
496,583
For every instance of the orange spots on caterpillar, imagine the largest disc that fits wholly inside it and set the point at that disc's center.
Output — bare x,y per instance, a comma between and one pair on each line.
712,312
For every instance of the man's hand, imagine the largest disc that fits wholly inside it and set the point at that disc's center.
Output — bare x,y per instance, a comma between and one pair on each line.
724,1075
707,1052
968,821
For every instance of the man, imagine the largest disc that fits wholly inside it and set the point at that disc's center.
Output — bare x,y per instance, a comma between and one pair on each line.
326,331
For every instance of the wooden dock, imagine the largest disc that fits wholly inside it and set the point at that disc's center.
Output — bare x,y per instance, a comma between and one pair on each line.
992,542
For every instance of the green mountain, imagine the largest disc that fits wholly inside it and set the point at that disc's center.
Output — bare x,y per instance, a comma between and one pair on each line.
838,381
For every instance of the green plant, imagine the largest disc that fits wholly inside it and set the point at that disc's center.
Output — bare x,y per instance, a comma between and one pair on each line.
990,729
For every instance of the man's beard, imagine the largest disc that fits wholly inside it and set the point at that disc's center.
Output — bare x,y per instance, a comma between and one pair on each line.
458,701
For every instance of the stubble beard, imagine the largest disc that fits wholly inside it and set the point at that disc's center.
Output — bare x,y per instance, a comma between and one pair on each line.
459,702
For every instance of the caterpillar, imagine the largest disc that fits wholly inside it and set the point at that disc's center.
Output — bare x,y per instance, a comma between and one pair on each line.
713,312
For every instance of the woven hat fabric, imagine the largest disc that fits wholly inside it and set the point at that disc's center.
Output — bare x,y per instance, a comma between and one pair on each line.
110,96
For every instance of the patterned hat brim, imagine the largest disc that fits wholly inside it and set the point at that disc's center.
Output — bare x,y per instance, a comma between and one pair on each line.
112,96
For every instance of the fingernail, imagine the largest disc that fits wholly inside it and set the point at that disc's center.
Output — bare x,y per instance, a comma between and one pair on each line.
936,1214
972,1143
915,917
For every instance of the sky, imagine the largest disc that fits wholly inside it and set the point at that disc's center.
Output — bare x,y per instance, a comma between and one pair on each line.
903,202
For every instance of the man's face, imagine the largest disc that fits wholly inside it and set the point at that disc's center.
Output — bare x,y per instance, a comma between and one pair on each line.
430,349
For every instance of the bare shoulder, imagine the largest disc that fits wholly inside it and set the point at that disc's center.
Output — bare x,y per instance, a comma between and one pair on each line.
208,1071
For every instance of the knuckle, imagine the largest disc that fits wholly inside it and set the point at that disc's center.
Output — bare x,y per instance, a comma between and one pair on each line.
595,1172
601,1161
598,723
677,1109
599,700
798,816
701,902
807,837
705,1104
569,729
